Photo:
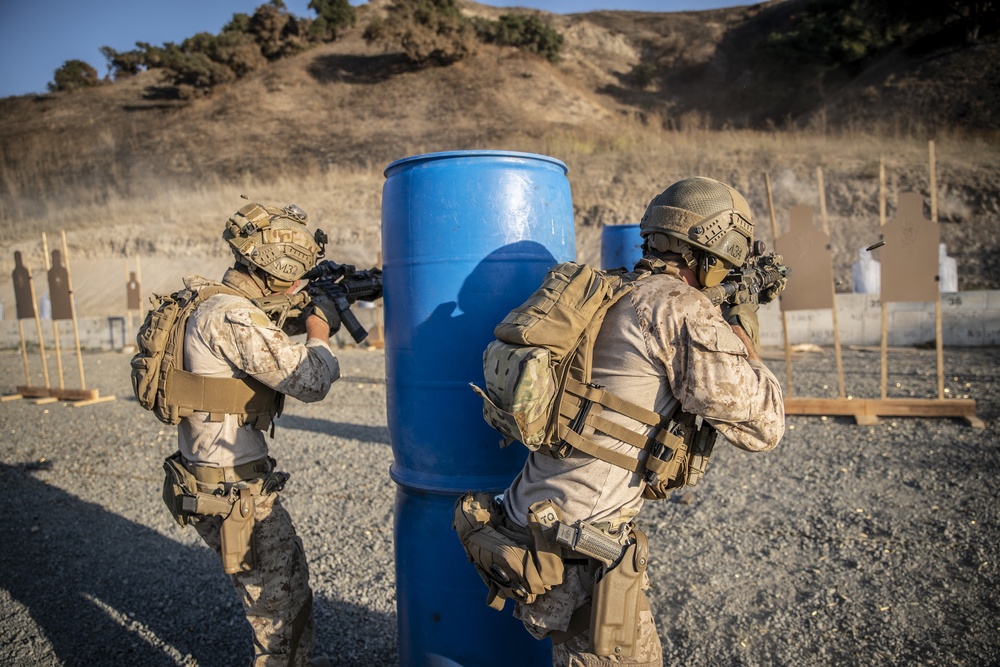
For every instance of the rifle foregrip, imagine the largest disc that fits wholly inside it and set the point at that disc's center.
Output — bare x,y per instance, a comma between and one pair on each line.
350,322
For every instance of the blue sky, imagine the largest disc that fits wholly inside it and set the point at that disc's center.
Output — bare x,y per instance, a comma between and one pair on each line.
38,36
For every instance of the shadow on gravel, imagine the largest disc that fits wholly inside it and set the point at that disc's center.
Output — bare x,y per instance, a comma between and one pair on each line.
362,432
107,591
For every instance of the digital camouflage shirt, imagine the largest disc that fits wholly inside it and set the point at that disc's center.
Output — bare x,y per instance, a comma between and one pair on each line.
663,343
230,337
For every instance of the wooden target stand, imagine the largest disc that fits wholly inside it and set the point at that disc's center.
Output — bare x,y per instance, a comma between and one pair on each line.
63,308
909,273
26,308
133,300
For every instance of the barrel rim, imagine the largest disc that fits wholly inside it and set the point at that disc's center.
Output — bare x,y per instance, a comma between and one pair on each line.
447,155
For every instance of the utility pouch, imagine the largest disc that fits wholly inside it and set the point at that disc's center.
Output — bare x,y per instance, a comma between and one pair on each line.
236,533
501,553
701,451
617,600
180,488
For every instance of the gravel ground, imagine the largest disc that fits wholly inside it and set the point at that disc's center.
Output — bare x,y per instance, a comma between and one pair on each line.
866,545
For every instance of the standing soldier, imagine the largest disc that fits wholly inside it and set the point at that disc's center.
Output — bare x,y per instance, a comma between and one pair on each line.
237,368
670,373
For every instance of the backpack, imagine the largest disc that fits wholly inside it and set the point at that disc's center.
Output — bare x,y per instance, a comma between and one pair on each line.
161,384
538,387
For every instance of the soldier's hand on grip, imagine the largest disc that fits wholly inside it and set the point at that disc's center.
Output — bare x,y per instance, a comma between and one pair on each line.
770,293
324,308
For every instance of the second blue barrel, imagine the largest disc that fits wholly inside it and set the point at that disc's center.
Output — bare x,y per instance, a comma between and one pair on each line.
466,236
621,245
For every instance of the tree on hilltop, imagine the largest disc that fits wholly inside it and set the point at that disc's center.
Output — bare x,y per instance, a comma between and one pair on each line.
331,16
429,31
73,75
527,32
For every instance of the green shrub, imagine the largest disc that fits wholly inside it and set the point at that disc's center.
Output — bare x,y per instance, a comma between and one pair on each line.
123,64
522,31
642,74
73,75
331,16
428,31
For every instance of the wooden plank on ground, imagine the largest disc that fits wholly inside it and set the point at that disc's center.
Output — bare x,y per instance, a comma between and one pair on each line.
33,392
75,394
867,410
92,401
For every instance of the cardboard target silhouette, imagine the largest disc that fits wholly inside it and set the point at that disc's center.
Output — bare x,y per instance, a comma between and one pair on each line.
59,293
133,292
806,249
24,303
910,255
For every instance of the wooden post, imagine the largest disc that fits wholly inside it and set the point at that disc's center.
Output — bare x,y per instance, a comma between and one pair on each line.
128,311
55,324
937,304
38,329
72,308
24,353
784,317
933,188
881,224
833,288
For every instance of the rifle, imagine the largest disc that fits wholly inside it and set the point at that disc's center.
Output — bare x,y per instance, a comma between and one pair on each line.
341,283
758,281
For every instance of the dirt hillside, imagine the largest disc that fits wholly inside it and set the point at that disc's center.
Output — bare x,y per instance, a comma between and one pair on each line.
128,170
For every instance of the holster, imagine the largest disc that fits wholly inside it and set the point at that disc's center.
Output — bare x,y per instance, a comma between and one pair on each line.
185,502
237,536
617,600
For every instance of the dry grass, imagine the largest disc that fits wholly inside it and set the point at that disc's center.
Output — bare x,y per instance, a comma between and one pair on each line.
613,176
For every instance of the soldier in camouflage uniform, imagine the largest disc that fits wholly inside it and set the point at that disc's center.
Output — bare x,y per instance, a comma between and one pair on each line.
662,345
229,336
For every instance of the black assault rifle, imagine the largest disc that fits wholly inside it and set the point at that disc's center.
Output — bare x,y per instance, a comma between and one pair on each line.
341,283
759,281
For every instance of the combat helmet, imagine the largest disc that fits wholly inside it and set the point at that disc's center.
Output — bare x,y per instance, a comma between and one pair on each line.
703,220
274,240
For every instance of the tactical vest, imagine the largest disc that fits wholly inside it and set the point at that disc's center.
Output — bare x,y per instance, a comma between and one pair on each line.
539,389
161,384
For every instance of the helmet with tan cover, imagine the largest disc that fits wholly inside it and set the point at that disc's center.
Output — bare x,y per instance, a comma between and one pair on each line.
705,221
274,240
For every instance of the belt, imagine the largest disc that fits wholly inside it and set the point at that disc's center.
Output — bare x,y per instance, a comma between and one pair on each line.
577,561
244,472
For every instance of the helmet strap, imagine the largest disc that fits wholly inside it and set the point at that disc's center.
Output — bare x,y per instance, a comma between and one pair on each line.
259,279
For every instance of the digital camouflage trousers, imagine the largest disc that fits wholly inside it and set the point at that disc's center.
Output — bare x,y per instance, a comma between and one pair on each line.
276,595
552,612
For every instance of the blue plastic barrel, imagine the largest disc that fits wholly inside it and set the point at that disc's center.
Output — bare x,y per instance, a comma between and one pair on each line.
466,237
621,245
